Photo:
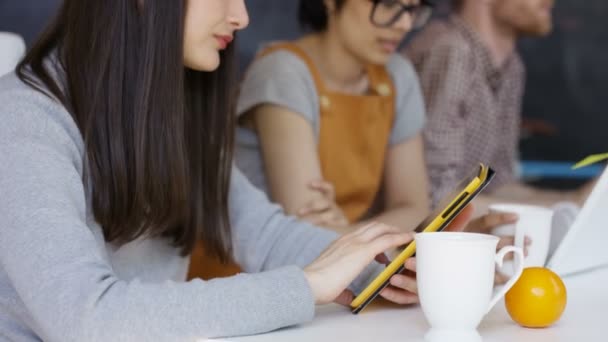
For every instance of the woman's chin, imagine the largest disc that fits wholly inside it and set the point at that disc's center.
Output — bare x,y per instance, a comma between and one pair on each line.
379,58
204,63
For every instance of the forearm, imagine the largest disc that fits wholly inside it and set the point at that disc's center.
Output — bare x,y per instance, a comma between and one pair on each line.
264,238
524,194
72,293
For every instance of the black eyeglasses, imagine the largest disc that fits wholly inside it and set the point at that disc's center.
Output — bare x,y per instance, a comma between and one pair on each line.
386,13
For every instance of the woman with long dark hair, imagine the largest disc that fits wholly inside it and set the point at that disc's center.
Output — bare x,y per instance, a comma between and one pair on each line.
116,159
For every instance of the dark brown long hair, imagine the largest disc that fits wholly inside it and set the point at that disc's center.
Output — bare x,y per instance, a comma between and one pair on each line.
158,136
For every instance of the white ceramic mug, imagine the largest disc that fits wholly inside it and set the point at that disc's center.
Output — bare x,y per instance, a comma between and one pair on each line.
455,274
534,222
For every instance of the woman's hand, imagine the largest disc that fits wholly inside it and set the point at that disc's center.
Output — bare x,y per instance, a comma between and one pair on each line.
485,224
403,288
323,211
336,268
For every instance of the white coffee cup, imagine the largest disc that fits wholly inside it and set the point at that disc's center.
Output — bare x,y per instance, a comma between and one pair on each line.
455,275
534,222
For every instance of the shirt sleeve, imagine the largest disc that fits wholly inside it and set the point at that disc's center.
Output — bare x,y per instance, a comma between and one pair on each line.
61,273
283,79
265,238
409,106
443,76
53,261
509,150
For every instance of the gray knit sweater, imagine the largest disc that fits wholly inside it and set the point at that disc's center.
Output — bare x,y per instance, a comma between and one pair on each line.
60,281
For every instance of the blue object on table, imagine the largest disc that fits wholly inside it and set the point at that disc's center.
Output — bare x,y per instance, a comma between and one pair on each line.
531,169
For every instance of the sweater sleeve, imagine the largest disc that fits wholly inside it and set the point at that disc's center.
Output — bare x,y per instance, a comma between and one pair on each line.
266,239
52,259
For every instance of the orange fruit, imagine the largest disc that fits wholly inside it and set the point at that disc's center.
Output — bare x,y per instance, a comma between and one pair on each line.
538,299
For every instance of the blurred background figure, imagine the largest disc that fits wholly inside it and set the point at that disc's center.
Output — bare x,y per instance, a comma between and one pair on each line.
330,120
566,72
473,81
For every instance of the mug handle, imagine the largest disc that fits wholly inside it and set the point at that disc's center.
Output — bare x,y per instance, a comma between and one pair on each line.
519,242
518,267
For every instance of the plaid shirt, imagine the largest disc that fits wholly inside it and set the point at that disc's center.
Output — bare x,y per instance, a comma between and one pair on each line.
474,107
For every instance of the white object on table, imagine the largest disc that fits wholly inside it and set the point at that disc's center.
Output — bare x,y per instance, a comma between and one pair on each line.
583,247
12,49
455,286
583,320
534,222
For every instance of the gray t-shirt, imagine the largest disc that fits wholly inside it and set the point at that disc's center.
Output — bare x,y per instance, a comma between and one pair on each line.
281,78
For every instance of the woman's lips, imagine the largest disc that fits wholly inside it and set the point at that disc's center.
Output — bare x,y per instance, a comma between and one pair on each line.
389,46
224,41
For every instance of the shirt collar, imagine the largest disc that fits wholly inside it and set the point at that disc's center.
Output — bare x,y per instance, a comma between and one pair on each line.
483,55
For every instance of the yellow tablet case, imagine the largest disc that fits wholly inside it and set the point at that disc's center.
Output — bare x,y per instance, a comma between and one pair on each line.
446,211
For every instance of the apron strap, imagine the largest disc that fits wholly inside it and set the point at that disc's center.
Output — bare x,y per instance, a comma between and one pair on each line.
381,81
299,52
379,78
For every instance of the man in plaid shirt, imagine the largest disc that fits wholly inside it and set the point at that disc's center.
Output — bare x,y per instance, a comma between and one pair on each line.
473,80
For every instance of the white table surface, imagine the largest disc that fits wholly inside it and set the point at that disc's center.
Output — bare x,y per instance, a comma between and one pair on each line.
585,320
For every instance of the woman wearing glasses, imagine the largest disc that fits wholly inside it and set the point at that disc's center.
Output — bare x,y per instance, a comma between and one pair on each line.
116,157
330,124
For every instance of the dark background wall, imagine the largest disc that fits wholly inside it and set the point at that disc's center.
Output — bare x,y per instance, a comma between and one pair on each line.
567,72
568,82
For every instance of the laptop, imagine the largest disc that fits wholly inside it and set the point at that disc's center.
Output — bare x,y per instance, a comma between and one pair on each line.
581,246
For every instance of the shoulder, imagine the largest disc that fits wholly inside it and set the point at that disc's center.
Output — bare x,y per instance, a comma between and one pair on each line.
399,64
281,64
402,72
28,115
440,41
279,78
409,110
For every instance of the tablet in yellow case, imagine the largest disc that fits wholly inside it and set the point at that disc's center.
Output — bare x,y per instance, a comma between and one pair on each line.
445,212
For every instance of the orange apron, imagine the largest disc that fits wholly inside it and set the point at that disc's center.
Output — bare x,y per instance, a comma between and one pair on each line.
353,136
353,140
205,267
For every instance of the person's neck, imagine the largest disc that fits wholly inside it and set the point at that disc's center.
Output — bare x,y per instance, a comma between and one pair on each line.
499,39
340,69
